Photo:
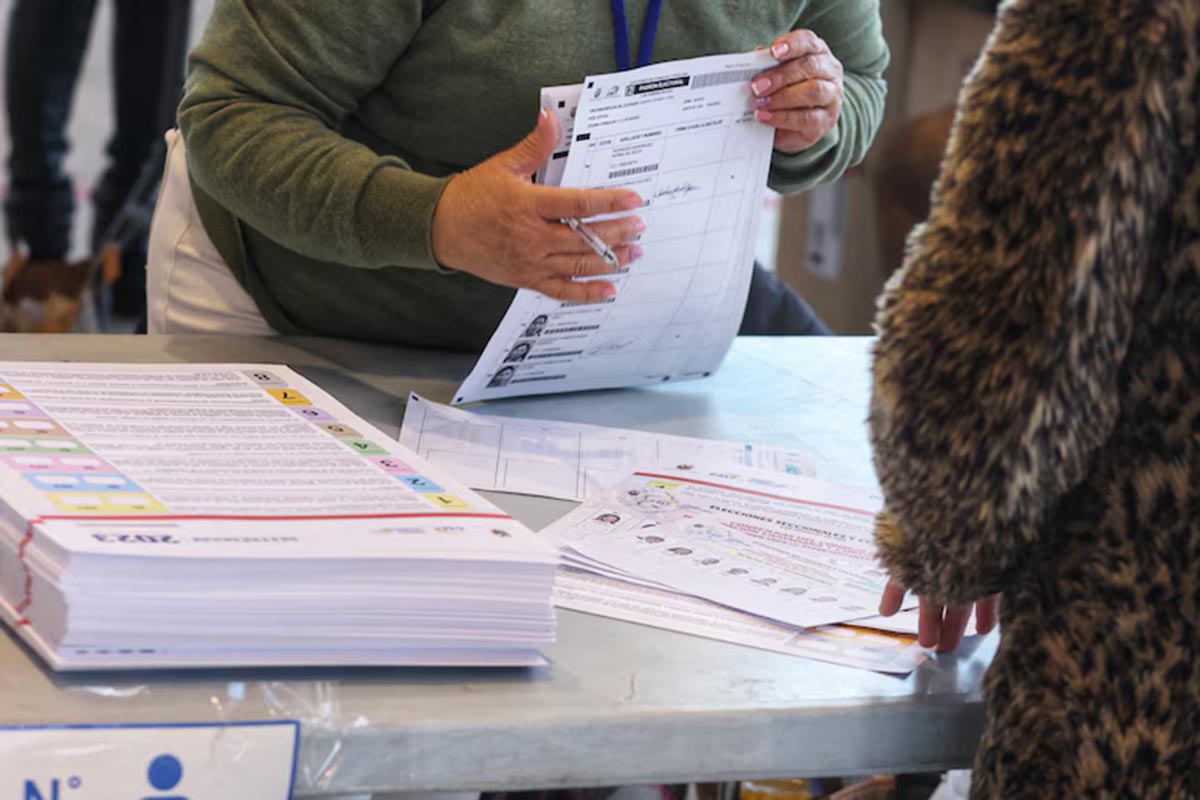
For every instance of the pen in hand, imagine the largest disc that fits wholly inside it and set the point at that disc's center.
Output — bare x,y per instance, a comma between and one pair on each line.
595,242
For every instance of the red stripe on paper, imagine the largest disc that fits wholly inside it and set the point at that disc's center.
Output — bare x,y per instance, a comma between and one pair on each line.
814,503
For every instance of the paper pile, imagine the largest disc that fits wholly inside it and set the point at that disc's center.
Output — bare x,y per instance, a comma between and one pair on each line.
753,557
179,516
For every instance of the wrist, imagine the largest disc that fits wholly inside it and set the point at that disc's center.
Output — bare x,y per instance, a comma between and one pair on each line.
443,228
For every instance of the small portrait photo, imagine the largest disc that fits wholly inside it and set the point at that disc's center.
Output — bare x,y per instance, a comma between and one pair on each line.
708,562
518,353
609,518
736,571
796,590
766,581
681,551
649,499
502,377
710,532
652,539
536,327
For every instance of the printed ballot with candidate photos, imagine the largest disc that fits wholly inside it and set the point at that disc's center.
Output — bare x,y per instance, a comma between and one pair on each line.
787,548
683,135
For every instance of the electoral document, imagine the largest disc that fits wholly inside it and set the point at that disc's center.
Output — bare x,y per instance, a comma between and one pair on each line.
683,135
785,548
567,460
860,645
236,514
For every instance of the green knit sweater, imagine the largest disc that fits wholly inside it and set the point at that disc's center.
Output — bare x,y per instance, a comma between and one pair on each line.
320,134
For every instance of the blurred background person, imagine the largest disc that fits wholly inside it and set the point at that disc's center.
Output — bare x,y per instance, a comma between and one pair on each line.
46,43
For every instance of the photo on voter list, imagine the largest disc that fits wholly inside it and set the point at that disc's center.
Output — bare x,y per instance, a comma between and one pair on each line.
605,400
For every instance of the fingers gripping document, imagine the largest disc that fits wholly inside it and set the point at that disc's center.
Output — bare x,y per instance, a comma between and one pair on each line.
683,135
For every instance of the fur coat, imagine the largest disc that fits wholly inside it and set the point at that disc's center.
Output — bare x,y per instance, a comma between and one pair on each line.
1036,404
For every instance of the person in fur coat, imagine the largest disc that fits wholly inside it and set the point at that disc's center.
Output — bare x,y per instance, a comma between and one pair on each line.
1036,404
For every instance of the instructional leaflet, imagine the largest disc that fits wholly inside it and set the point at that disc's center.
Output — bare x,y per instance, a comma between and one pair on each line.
236,514
789,549
566,460
684,136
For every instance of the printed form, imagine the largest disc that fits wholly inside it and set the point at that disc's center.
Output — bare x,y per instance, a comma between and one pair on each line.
566,460
683,135
856,646
784,548
212,514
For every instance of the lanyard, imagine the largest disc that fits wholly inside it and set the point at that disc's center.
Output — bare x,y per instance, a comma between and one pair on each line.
649,33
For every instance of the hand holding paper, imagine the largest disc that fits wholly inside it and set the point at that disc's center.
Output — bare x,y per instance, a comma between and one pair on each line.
802,97
493,222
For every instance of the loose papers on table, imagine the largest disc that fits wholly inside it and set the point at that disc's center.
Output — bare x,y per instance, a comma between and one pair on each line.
776,552
175,515
860,646
684,136
789,549
566,460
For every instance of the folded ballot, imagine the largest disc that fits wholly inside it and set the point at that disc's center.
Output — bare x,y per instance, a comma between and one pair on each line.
238,515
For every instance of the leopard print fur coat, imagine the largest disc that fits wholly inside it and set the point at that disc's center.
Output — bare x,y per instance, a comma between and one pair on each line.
1036,404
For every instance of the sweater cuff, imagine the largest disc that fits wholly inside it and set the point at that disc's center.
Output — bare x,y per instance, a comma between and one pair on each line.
798,172
395,217
894,551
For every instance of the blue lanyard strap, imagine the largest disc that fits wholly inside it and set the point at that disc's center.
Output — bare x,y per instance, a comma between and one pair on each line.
649,33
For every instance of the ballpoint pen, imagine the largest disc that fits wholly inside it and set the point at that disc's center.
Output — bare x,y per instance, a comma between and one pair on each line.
594,241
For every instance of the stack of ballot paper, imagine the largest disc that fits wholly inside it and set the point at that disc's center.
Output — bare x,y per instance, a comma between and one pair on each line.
760,558
179,516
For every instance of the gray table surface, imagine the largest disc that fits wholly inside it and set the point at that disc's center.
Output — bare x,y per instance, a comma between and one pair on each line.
620,703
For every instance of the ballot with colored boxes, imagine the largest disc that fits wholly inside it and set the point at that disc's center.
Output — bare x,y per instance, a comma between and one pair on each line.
239,515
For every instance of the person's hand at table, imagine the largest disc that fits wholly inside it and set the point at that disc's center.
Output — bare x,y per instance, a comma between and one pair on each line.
494,222
802,97
942,626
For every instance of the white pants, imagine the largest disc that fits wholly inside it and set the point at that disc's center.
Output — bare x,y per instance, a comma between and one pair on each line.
189,288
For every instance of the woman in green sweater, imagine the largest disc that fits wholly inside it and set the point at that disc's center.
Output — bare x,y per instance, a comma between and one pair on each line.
346,171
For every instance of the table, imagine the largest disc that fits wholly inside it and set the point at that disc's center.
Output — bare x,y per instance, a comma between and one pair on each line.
621,703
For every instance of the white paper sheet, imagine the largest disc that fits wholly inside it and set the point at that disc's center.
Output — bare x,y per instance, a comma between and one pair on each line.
566,460
232,444
786,548
683,135
837,644
563,103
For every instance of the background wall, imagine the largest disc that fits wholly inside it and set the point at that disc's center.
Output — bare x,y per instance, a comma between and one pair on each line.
828,247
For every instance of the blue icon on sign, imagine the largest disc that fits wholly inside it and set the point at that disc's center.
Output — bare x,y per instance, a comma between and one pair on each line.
164,774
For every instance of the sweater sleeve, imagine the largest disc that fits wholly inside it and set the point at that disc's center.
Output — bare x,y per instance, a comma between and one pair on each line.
1001,339
854,32
269,87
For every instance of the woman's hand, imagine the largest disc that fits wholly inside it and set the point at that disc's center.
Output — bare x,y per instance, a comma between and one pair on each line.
942,626
492,221
802,97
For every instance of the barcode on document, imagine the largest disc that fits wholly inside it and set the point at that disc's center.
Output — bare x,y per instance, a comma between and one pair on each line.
625,173
718,78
